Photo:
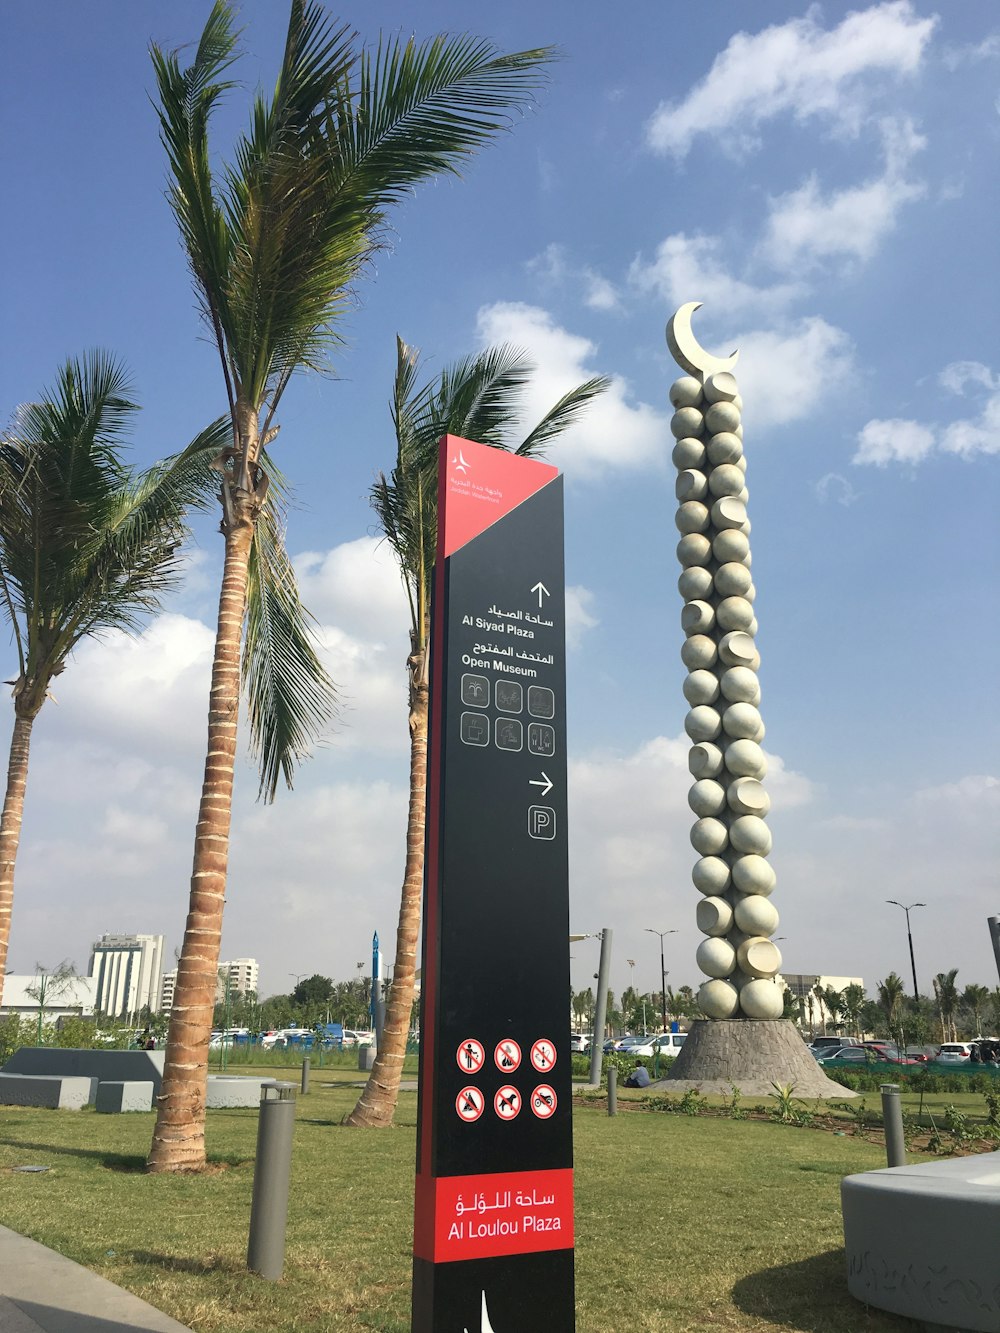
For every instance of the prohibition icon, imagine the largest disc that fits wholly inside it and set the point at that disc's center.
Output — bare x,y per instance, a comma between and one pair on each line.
471,1056
543,1101
507,1102
507,1055
543,1054
470,1104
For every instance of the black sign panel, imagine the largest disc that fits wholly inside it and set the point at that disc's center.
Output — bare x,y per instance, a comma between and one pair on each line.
493,1232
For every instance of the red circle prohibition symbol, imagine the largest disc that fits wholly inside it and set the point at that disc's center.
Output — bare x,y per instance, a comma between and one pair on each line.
471,1056
543,1054
470,1104
507,1102
544,1101
507,1055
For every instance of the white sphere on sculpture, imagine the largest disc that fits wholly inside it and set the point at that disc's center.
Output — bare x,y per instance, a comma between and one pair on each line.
688,453
704,760
695,583
753,627
745,759
741,721
761,999
685,392
738,432
691,516
697,617
750,835
720,418
740,685
730,513
707,797
686,421
703,723
752,874
756,915
737,648
709,836
738,402
701,687
721,387
710,875
732,580
716,957
741,462
698,652
725,448
718,999
759,957
746,796
726,479
731,545
714,916
691,484
751,592
694,549
743,494
735,613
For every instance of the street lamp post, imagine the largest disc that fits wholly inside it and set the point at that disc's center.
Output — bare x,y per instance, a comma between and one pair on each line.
663,974
909,936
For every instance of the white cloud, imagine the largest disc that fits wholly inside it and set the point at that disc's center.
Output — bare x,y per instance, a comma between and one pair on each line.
796,68
894,441
957,376
786,373
579,617
687,268
972,53
357,587
599,293
833,486
807,225
553,268
614,432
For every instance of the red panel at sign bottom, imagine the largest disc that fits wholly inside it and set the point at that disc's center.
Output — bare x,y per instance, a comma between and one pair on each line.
478,1217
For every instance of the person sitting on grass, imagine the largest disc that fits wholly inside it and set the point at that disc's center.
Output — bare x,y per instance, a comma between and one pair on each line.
639,1077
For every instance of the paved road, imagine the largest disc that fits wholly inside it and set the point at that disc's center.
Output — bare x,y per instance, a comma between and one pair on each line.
44,1292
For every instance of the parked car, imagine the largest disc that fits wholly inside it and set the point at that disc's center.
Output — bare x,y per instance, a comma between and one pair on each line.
579,1041
873,1055
954,1053
824,1045
670,1043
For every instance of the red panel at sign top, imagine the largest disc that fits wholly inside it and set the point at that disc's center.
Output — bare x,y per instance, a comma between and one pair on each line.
478,485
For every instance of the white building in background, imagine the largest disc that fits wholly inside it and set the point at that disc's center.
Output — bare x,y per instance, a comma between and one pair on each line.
240,975
167,991
815,1014
72,997
127,970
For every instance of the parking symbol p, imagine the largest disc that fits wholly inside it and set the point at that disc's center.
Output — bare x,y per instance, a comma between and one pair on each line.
541,822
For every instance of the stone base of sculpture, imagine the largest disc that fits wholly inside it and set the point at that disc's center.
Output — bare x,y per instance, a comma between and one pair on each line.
720,1054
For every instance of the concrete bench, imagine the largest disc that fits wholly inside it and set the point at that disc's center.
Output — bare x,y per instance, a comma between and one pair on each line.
226,1091
116,1096
47,1090
110,1066
924,1241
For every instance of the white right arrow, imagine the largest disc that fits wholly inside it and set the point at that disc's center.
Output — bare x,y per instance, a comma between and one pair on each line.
545,783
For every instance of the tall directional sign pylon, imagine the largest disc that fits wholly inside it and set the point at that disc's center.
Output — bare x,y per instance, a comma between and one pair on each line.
493,1228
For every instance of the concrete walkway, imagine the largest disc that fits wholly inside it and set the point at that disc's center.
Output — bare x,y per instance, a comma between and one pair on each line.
44,1292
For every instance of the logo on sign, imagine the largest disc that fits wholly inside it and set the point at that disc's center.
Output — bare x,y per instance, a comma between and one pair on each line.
470,1104
507,1102
541,822
543,1101
459,464
543,1055
507,1055
471,1056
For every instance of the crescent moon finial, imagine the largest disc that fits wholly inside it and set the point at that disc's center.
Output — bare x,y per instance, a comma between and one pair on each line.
687,351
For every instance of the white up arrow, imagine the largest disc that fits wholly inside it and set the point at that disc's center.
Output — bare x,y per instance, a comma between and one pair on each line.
542,591
545,784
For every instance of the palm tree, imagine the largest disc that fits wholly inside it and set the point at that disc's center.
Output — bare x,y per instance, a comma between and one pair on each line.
275,244
833,1000
975,999
890,997
86,546
946,992
818,992
477,399
854,1000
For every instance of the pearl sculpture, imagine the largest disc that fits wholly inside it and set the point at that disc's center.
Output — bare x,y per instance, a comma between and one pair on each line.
732,875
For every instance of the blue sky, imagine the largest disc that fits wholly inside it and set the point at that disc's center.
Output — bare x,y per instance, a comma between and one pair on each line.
826,182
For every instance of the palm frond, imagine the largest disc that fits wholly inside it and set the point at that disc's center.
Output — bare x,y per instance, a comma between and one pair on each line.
290,696
560,417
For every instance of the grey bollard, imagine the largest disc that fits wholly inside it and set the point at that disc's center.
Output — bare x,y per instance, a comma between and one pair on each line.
366,1058
271,1177
612,1090
305,1075
892,1119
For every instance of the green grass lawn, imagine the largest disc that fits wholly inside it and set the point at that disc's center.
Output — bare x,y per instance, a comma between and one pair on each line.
683,1223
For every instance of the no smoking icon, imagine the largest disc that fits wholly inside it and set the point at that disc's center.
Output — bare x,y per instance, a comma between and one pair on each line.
471,1056
543,1101
470,1104
507,1102
543,1055
507,1055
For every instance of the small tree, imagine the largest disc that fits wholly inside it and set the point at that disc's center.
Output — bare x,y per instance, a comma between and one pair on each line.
854,1002
49,987
975,1000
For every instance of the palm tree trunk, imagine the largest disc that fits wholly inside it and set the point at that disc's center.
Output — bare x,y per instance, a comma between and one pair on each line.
179,1134
377,1104
10,826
